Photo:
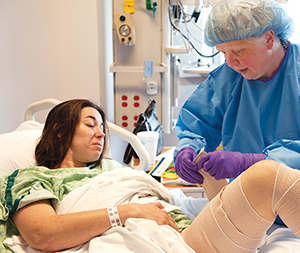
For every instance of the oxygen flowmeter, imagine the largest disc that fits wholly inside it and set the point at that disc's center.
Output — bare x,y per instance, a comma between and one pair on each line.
151,5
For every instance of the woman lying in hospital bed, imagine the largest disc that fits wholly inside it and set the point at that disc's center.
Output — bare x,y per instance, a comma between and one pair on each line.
78,201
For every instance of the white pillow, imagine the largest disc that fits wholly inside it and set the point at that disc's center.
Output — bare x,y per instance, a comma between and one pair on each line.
17,147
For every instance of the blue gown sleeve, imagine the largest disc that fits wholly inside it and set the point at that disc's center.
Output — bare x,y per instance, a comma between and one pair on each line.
200,120
285,151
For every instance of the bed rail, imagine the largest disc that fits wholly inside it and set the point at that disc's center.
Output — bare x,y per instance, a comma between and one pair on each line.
114,130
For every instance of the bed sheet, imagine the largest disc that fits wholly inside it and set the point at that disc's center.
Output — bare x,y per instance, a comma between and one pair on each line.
280,240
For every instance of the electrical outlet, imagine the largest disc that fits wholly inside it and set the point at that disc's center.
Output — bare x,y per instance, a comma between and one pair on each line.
151,88
129,6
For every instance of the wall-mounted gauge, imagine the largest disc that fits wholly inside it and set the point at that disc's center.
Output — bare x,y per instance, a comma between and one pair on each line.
125,28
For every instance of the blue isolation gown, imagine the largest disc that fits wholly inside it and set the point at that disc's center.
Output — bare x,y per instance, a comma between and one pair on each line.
249,116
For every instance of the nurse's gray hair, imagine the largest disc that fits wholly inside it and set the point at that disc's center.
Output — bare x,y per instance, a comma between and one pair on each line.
233,20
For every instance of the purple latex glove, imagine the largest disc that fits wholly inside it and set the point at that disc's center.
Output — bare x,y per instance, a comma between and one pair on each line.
226,164
185,166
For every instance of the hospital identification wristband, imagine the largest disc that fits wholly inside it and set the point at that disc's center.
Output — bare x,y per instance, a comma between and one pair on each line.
113,216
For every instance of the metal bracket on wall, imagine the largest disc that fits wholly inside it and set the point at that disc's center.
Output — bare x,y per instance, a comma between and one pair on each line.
156,69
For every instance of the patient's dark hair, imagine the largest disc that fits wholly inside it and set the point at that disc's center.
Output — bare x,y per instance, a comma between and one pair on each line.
59,130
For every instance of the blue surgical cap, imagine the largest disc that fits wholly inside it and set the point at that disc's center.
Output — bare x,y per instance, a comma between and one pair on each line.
233,20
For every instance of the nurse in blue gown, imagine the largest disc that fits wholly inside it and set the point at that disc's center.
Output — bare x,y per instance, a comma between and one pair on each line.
250,103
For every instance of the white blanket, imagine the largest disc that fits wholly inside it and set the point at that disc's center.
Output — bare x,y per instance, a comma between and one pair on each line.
118,187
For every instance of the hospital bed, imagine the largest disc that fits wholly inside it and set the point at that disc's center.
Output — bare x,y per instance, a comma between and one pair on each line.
17,149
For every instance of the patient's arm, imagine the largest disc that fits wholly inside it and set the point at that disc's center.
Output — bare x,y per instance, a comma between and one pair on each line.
210,185
43,229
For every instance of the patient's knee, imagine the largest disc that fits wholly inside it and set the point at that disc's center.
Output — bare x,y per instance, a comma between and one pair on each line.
262,171
258,183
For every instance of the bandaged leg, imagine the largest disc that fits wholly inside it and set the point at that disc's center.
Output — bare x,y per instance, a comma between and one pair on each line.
227,224
230,223
286,197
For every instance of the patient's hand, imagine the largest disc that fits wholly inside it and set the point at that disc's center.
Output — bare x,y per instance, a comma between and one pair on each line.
151,211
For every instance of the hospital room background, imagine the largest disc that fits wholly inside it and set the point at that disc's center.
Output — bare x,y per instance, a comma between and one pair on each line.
67,49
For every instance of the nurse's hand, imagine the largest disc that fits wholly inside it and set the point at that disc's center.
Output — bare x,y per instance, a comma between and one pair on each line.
225,164
185,166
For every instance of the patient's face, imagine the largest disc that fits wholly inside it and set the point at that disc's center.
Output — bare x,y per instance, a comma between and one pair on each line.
88,140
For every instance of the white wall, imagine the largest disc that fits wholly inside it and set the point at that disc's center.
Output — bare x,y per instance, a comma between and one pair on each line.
50,48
